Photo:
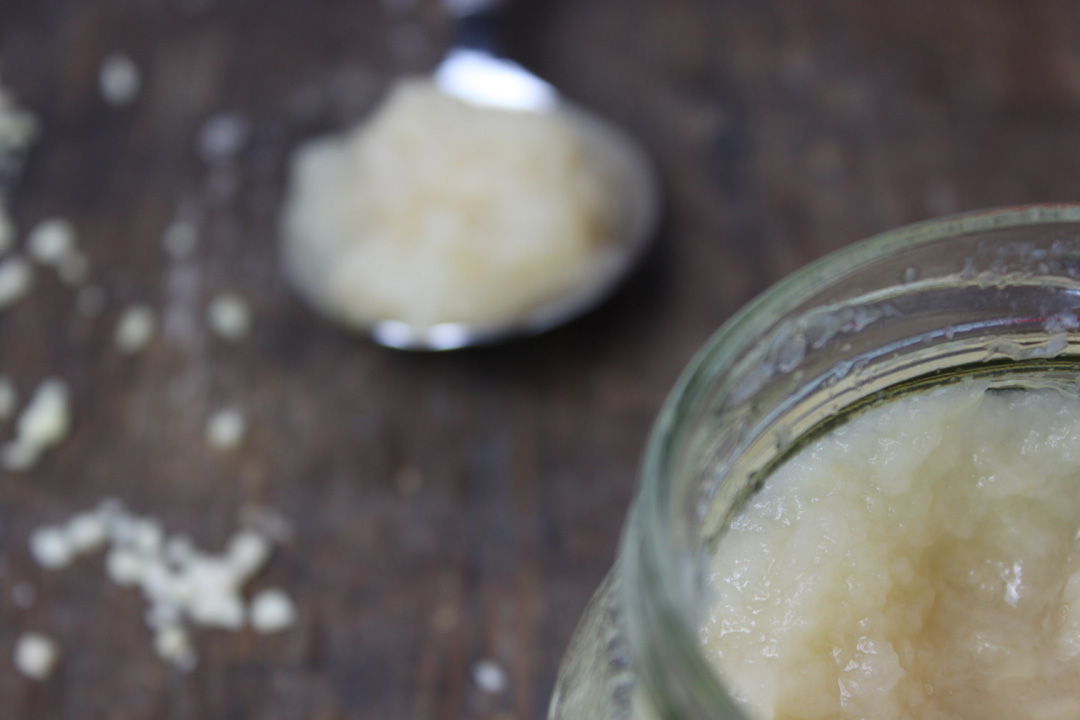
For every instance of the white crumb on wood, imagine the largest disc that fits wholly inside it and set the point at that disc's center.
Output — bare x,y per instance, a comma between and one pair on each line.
16,280
272,611
222,137
87,532
162,614
229,316
147,536
50,241
173,644
160,584
226,429
183,586
36,655
178,549
213,593
119,79
50,547
43,423
124,566
46,419
490,677
247,553
135,328
18,127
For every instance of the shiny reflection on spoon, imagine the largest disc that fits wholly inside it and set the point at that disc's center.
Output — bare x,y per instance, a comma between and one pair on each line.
485,80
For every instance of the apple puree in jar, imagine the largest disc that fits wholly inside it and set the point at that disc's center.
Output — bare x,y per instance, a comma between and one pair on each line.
921,561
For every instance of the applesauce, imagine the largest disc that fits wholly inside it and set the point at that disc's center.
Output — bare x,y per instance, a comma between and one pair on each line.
919,561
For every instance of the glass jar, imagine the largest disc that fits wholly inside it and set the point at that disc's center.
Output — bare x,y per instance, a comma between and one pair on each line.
989,293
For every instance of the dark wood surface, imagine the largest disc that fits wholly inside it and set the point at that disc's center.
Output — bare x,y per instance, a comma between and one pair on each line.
782,129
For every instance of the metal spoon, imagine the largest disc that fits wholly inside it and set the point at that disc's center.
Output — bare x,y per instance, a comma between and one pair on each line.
473,72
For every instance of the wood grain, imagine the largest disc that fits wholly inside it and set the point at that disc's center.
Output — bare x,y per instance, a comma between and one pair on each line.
446,508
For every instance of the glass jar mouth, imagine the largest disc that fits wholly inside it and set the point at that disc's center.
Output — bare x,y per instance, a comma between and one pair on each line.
660,553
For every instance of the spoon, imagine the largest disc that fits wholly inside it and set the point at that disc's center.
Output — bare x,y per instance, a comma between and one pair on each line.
473,72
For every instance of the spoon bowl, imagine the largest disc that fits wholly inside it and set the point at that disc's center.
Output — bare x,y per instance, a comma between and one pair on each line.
474,74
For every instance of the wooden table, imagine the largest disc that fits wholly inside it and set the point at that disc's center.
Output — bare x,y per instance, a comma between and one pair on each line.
457,507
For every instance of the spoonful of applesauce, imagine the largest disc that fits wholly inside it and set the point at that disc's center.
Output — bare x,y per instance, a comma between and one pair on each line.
473,206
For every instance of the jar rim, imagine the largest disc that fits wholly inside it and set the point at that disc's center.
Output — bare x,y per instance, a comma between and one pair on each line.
665,645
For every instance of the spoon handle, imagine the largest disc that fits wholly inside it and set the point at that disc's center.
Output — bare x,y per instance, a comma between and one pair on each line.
477,24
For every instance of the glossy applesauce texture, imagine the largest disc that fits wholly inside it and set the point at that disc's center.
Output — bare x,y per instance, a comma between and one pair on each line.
920,561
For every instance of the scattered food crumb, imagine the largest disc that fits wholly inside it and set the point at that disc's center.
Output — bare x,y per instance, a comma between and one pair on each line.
182,585
16,280
119,79
135,329
223,136
43,423
87,532
145,535
23,595
50,548
46,419
51,241
18,127
36,655
229,316
225,429
272,611
490,677
124,566
247,553
179,549
180,239
213,593
173,644
162,615
9,398
90,301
